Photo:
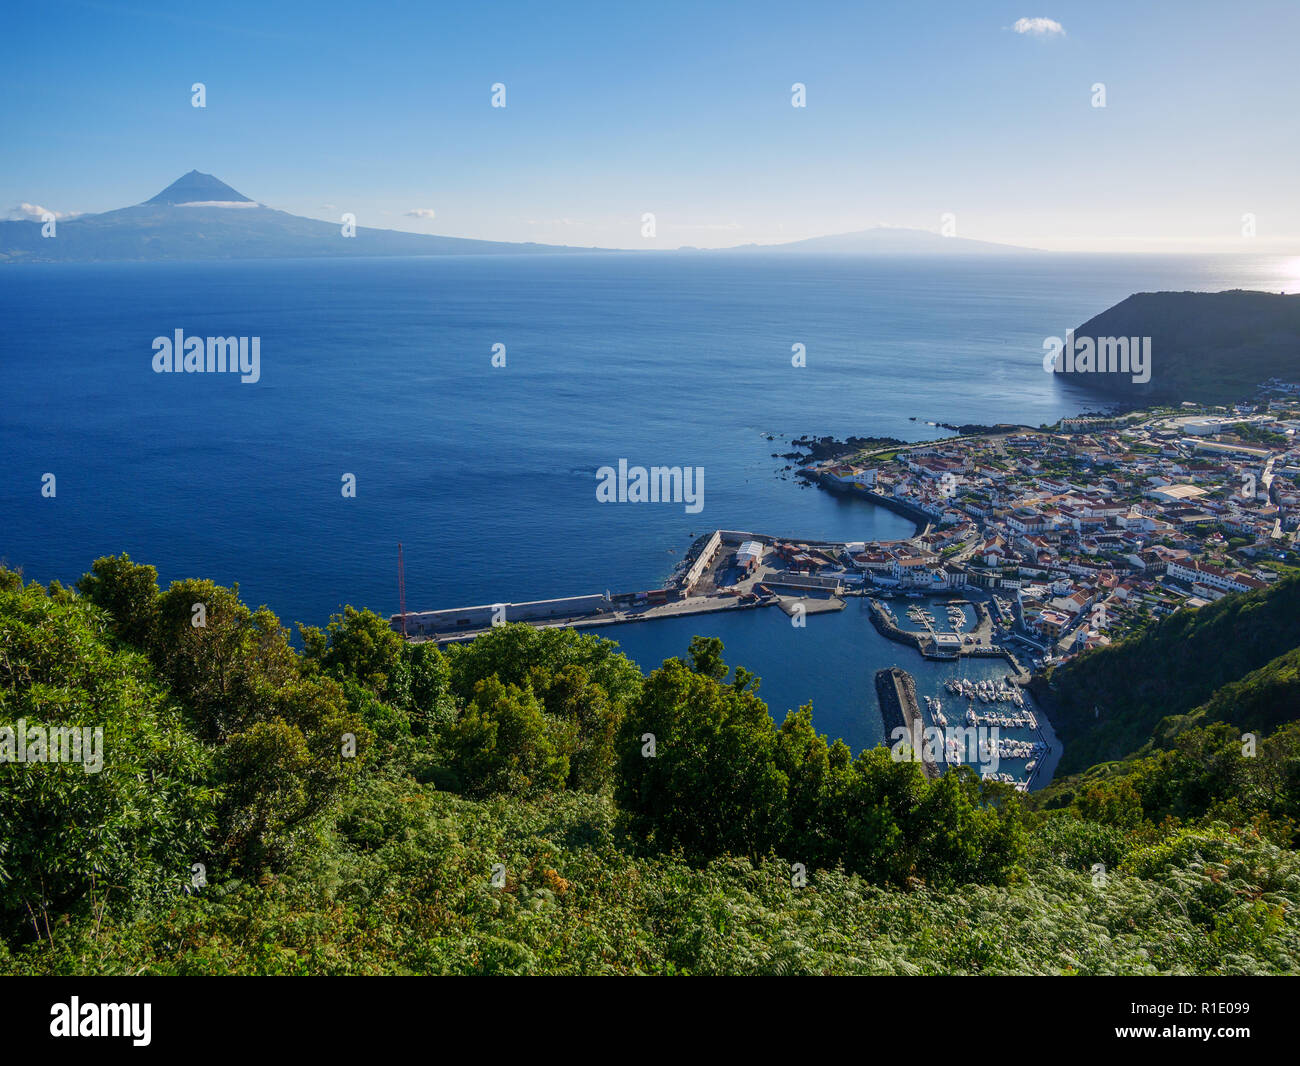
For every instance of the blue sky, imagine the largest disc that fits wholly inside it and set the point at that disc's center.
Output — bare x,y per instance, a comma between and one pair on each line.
914,109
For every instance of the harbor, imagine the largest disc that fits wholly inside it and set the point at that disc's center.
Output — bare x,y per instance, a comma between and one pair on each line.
1028,749
831,617
725,571
988,702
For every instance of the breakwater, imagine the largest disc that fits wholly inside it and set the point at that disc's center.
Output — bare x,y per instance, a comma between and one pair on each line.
896,691
709,580
889,629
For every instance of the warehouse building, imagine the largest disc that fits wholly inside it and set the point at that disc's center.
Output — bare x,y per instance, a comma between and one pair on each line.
748,556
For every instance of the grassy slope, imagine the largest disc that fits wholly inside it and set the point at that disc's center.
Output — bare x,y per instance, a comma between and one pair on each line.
399,881
1107,703
413,895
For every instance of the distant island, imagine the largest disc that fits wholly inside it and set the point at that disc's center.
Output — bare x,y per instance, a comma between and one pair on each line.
1206,347
887,240
199,216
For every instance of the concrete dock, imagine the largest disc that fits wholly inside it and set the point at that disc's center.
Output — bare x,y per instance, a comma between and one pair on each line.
896,691
728,570
677,609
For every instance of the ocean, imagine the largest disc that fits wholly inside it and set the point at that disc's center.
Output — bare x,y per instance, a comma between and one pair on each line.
382,369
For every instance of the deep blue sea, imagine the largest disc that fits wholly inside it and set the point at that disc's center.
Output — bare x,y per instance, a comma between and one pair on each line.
382,369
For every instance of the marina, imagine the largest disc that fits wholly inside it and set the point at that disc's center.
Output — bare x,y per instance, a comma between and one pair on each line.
1016,736
728,574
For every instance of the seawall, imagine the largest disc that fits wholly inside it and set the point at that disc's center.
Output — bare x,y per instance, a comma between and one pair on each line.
896,691
923,521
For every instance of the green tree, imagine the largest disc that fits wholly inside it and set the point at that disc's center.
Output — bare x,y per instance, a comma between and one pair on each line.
433,707
869,807
803,756
713,784
127,592
1111,803
121,827
962,837
234,674
363,646
570,696
706,657
282,773
513,653
503,742
227,670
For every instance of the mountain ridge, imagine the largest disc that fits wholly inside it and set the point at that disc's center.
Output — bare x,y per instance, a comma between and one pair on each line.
199,216
885,240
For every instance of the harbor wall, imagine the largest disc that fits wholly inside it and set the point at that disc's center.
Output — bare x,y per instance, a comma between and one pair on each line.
888,629
702,561
923,520
483,615
896,691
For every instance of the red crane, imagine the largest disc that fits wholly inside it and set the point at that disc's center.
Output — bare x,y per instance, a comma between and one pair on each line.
401,586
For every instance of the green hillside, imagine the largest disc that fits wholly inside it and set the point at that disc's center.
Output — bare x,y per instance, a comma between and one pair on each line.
1106,703
1235,755
533,803
1262,701
1210,347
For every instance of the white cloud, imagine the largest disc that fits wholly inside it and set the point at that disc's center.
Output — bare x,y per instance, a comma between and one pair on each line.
1039,27
420,212
26,212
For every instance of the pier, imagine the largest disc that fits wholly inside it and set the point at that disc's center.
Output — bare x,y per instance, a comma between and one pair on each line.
932,644
733,570
896,691
727,570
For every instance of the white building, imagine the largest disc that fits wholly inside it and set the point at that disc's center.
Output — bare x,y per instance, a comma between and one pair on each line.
1209,576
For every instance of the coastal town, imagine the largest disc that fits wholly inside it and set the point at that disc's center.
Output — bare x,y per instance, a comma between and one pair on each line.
1067,536
1081,531
1030,547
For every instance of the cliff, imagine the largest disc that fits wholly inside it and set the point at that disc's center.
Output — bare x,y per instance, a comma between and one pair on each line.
1211,347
